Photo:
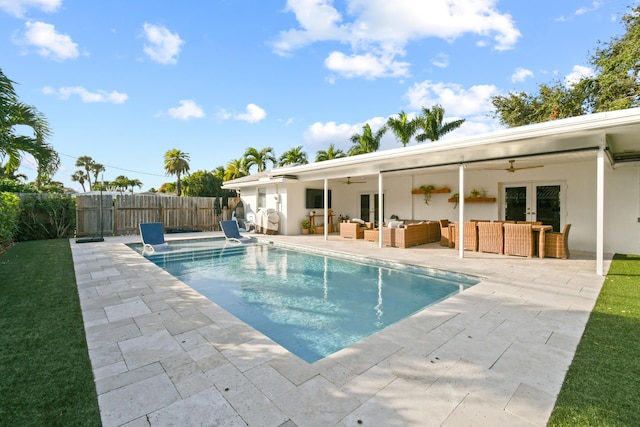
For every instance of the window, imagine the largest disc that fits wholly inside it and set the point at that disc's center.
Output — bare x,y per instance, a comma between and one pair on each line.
262,197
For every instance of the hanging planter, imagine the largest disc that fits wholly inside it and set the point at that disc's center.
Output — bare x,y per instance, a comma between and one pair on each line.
426,189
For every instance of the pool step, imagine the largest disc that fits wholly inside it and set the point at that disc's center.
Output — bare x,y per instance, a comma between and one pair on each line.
211,253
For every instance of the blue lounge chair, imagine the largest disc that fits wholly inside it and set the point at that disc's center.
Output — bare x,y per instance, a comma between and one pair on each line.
232,232
153,237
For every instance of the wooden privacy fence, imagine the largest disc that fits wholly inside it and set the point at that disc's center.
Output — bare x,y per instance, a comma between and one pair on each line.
120,214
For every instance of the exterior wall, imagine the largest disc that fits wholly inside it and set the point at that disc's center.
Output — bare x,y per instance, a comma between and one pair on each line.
622,210
578,180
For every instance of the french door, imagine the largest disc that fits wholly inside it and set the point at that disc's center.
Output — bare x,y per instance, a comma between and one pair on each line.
369,207
534,201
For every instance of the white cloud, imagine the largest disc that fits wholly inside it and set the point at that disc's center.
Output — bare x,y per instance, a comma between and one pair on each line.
368,65
441,60
163,46
381,29
594,6
456,100
18,7
187,110
253,114
49,43
520,75
322,134
577,74
86,96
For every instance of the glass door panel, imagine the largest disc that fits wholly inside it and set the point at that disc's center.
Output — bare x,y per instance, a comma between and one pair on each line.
516,204
534,202
548,205
369,207
365,201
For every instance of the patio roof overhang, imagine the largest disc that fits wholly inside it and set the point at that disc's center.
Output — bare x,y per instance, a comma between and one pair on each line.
617,132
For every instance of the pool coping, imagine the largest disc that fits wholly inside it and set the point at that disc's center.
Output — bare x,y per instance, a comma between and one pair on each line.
496,354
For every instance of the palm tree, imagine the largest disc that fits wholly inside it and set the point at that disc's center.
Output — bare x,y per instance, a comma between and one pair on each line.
96,168
79,177
259,158
330,154
121,183
431,124
219,173
236,168
14,113
294,156
135,183
86,162
176,163
367,142
403,128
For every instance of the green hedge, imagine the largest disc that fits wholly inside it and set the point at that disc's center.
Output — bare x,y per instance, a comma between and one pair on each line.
9,213
50,217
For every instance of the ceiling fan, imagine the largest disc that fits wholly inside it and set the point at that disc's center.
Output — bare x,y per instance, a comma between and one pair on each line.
512,168
349,182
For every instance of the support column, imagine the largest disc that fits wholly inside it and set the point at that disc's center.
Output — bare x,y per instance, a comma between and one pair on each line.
600,212
380,209
326,209
460,228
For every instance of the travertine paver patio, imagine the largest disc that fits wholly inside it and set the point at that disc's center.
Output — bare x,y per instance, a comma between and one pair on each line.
495,354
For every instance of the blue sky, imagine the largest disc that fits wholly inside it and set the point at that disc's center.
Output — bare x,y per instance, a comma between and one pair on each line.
125,81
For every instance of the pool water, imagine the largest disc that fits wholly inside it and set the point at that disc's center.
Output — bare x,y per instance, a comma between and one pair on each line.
313,305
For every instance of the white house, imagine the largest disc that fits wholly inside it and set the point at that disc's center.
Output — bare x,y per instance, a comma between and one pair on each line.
583,171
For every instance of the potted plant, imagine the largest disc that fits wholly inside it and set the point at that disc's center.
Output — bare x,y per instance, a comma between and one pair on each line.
426,189
475,193
306,226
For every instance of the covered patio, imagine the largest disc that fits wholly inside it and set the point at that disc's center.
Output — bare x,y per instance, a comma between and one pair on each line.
587,160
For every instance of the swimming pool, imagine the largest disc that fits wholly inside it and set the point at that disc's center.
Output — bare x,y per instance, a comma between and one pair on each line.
311,304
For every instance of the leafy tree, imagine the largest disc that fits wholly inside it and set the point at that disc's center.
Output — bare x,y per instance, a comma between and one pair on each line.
617,82
205,184
260,158
167,188
431,124
176,163
236,168
555,101
294,156
14,113
402,127
201,184
615,85
330,154
367,142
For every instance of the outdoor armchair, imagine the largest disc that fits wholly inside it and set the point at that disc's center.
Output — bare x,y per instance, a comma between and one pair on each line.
557,244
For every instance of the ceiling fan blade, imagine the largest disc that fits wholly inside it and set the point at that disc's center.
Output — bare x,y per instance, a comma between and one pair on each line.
528,167
512,168
348,181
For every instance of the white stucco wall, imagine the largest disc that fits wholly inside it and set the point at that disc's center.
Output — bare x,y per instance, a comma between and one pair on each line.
577,180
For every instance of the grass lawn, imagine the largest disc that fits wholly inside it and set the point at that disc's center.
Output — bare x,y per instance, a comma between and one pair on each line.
602,386
45,373
46,378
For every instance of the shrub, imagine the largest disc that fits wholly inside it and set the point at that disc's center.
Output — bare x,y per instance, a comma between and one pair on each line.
50,217
9,213
14,186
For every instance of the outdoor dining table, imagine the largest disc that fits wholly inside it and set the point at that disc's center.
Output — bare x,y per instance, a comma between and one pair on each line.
538,231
